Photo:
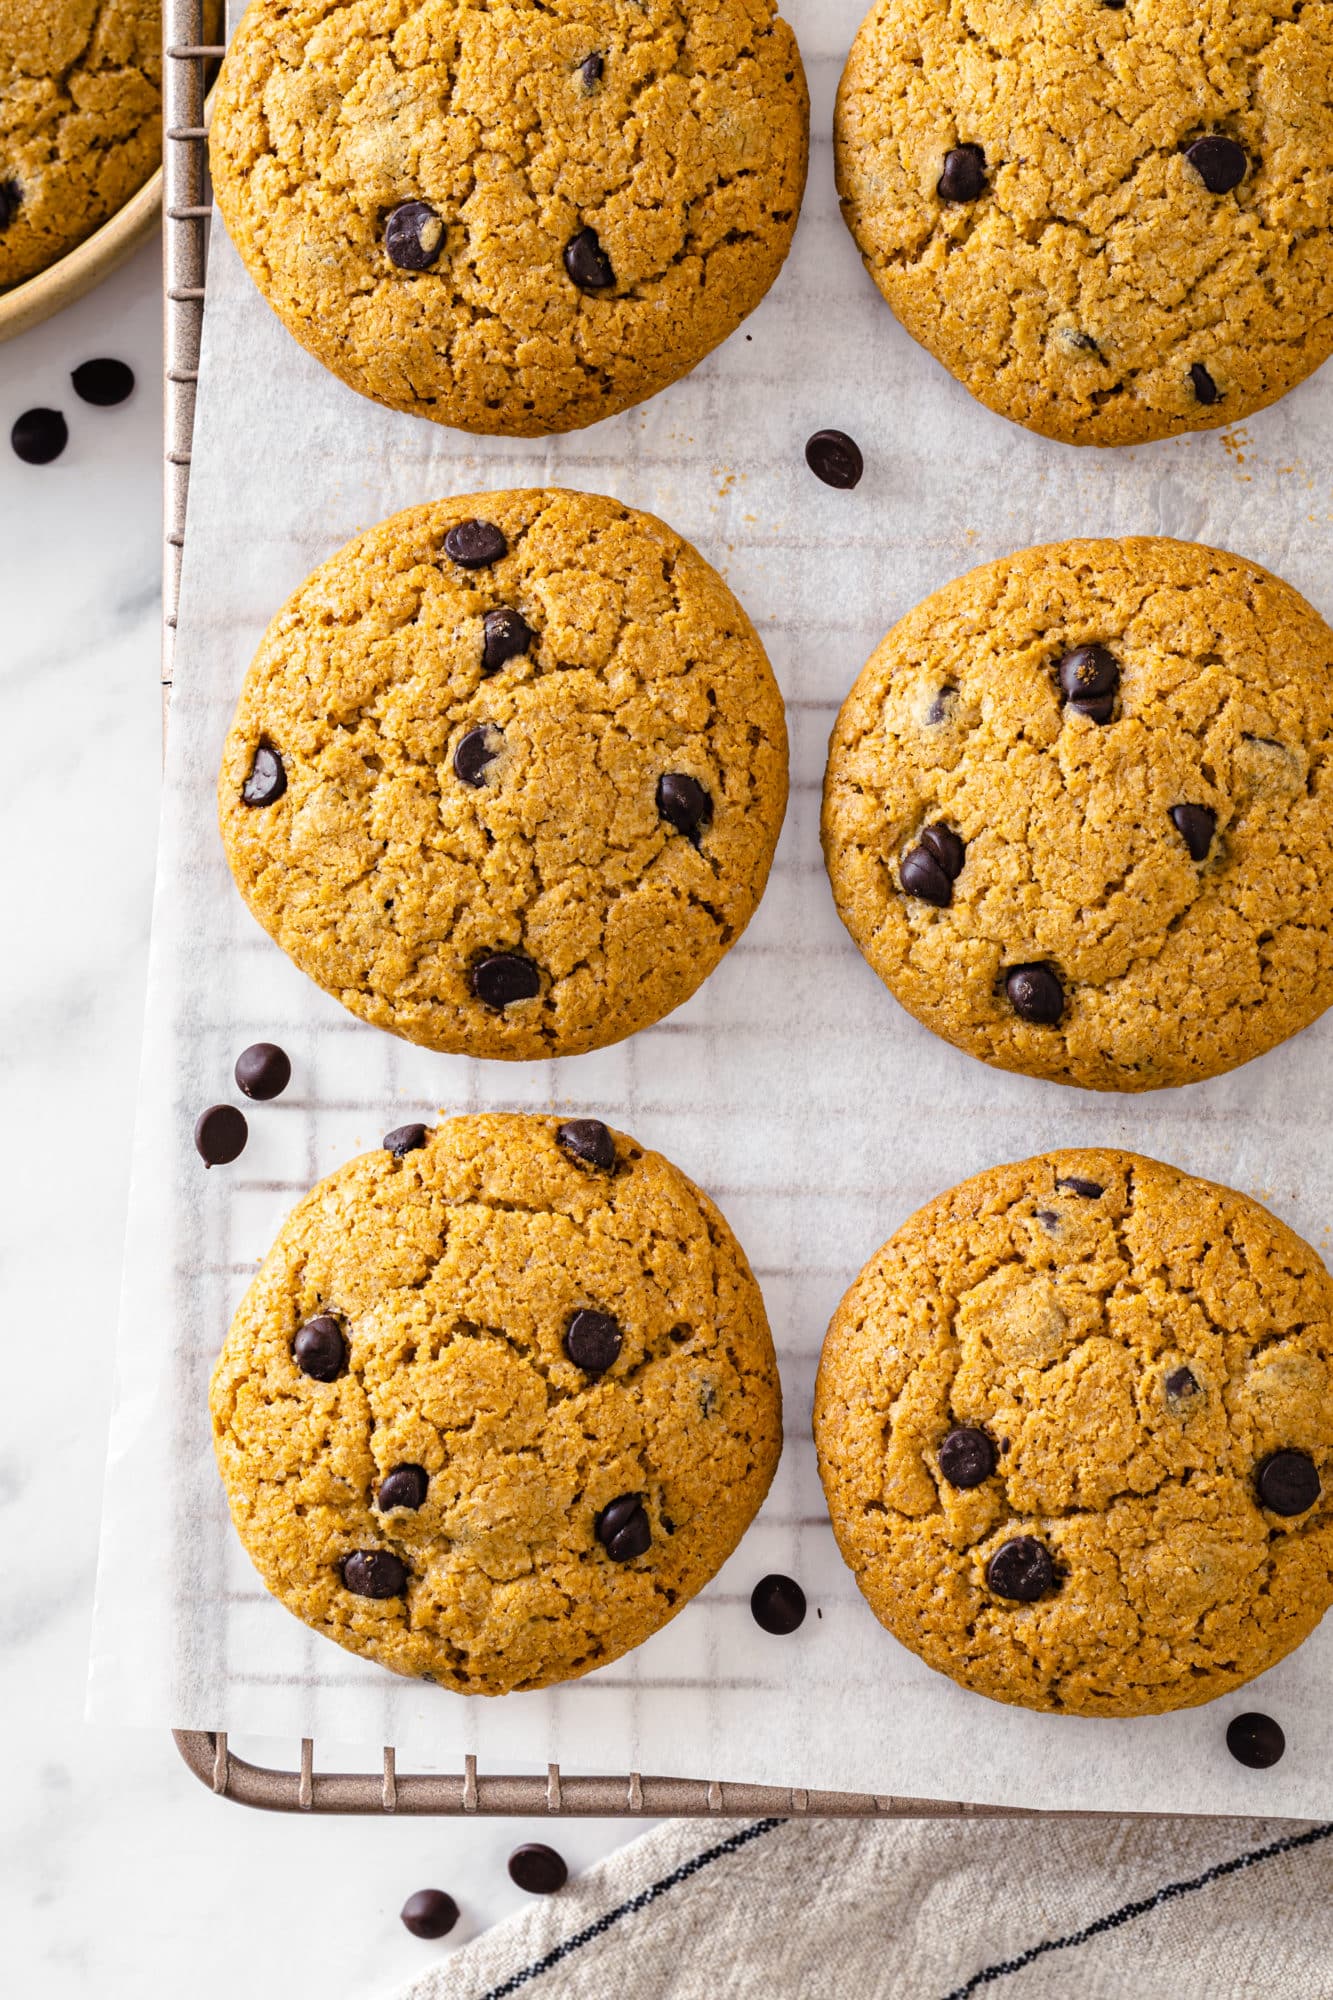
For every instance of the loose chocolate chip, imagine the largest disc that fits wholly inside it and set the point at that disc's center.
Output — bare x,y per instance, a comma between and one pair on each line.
1089,677
430,1913
590,71
267,780
1086,1190
964,174
474,753
1205,389
103,382
319,1349
263,1071
683,802
220,1134
537,1868
1022,1570
404,1139
506,635
11,200
1255,1740
592,1341
1181,1386
777,1604
503,978
587,1139
413,236
1196,826
475,544
1035,994
921,874
966,1457
835,458
39,436
587,263
941,841
622,1528
374,1573
402,1486
1288,1483
1218,161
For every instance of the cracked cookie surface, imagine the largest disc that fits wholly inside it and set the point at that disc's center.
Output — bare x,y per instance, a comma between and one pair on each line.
452,1274
1085,280
1135,1347
448,803
1162,850
675,133
80,121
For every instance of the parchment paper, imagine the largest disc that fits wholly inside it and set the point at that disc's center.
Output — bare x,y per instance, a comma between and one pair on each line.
792,1087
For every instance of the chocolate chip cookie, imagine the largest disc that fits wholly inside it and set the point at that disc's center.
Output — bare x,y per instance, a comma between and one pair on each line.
1075,1429
1078,812
501,1399
80,121
512,219
507,774
1112,220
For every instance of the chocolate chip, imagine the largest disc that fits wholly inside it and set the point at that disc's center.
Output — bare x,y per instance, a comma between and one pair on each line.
966,1457
683,802
103,382
777,1604
537,1868
374,1573
590,71
920,874
267,780
964,174
835,458
319,1349
1035,994
220,1134
587,263
1288,1483
1196,826
1085,1190
402,1486
1205,389
474,753
39,436
592,1341
11,201
941,841
475,544
942,706
404,1139
430,1913
506,636
263,1071
1218,161
1255,1740
622,1528
503,978
413,236
1048,1219
1089,677
1181,1387
1022,1570
587,1139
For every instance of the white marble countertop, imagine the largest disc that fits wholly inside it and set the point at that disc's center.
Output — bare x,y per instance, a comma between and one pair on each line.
119,1875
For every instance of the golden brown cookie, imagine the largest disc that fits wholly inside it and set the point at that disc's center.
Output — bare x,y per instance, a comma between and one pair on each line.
507,774
80,121
500,1401
1078,812
514,218
1111,222
1075,1429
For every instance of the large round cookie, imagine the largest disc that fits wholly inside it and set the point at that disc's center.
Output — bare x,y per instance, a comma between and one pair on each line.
1075,1428
500,1401
507,774
1078,812
518,217
1111,222
80,121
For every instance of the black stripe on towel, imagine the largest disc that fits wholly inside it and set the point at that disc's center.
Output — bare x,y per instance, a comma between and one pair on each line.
628,1909
1128,1912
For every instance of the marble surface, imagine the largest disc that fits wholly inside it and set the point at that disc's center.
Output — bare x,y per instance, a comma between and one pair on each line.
119,1874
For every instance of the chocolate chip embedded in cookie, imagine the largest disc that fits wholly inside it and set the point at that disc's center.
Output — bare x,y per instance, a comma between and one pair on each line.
1078,812
439,1454
1086,1468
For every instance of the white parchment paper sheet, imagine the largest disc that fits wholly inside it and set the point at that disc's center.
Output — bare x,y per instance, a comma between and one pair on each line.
816,1112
